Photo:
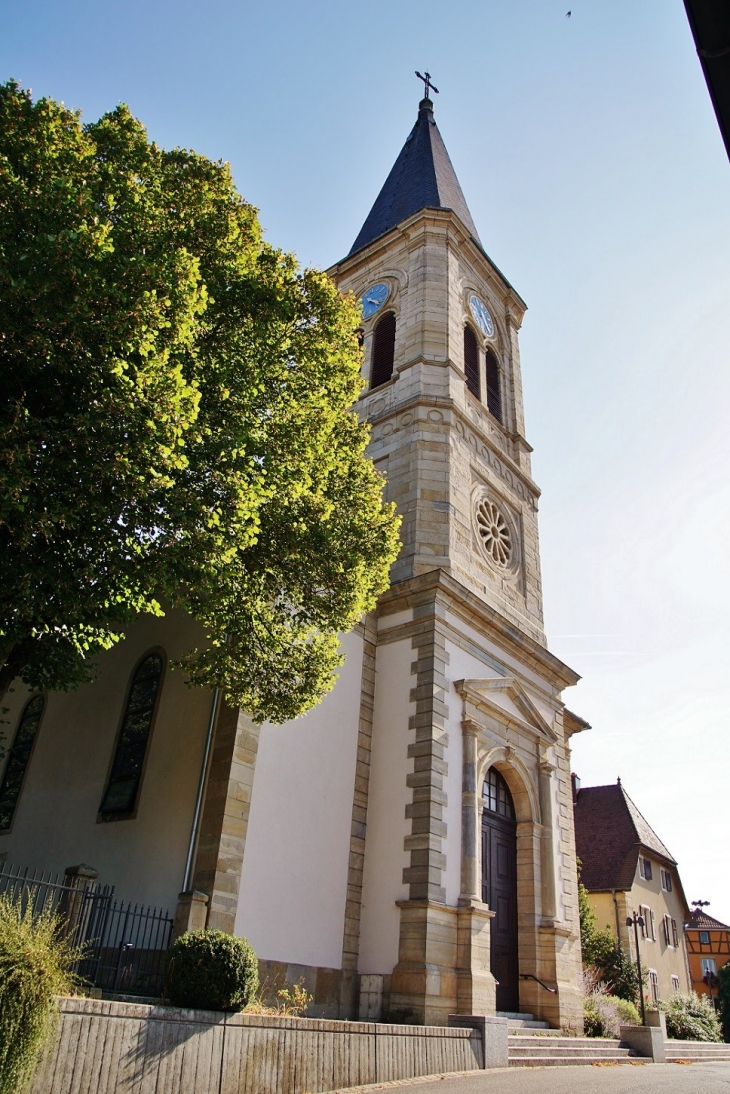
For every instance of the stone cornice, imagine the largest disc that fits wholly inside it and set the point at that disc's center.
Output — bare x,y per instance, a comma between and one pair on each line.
414,590
421,221
444,402
476,693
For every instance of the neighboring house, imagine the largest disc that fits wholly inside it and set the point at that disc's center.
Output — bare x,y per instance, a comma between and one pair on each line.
626,868
708,945
416,826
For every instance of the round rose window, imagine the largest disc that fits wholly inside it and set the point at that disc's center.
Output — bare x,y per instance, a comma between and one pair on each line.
495,533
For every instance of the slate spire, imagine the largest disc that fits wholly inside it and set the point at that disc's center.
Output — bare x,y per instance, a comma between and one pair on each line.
422,178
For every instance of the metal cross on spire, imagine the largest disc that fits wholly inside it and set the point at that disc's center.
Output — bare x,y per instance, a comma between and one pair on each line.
427,83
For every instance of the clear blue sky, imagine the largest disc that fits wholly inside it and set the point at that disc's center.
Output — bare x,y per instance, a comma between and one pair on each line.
591,160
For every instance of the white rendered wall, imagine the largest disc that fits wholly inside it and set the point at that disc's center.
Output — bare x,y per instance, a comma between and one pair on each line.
294,880
387,827
55,823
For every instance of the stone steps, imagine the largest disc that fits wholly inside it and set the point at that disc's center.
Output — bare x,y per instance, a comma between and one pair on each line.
519,1023
530,1050
697,1051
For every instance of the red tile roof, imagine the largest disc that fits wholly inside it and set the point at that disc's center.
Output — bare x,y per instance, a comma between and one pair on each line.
609,834
702,921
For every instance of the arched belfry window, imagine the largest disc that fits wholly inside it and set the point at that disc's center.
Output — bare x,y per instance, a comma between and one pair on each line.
122,791
496,795
383,350
18,757
494,388
471,361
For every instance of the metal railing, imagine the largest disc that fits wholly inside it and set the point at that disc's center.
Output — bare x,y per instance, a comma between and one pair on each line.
123,944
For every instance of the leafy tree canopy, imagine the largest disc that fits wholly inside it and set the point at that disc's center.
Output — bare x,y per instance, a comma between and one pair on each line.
175,421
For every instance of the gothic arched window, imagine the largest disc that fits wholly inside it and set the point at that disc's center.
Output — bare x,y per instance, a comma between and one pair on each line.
494,389
471,362
18,757
383,350
122,790
497,796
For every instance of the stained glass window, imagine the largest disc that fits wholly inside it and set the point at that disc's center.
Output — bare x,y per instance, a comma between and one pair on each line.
496,795
19,754
120,796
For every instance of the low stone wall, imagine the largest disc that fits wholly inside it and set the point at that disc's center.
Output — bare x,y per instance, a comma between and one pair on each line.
104,1047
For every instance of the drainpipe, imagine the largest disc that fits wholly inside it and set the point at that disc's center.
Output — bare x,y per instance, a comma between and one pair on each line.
195,829
618,929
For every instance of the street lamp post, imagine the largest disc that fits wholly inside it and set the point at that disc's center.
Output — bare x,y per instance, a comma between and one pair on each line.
638,921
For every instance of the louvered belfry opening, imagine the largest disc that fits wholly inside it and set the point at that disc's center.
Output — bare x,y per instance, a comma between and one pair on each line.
471,361
383,350
494,394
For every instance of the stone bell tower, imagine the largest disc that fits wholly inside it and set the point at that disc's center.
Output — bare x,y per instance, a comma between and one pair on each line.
463,683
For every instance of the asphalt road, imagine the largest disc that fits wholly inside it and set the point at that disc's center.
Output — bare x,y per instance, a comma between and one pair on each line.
711,1078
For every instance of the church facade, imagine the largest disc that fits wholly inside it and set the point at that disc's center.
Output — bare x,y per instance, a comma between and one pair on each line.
407,848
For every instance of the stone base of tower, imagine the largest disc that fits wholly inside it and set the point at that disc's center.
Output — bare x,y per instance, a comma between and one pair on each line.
444,967
443,962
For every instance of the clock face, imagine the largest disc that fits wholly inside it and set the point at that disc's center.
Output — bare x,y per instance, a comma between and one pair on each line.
374,298
481,316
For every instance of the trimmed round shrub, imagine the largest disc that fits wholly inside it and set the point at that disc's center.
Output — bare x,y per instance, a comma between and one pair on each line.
627,1012
603,1015
691,1017
210,970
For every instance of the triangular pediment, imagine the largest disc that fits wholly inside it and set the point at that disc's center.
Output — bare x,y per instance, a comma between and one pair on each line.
488,695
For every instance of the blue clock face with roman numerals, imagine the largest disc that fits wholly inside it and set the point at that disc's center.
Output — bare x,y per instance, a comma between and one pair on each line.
481,316
374,298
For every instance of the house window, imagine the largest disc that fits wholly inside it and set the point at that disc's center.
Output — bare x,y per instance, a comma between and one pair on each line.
496,795
675,983
19,755
645,868
648,931
383,351
471,362
654,985
494,388
670,932
704,938
120,796
708,965
666,881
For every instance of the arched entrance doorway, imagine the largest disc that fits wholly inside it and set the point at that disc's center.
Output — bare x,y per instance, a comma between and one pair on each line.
499,885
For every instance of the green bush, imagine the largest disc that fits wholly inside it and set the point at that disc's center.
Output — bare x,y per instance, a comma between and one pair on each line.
603,1015
691,1017
723,998
35,963
210,970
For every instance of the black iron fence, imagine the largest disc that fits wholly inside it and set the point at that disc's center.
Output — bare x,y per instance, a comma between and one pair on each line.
123,944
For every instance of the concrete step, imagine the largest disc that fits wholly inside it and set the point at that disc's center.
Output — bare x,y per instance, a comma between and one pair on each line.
532,1051
696,1051
577,1061
536,1029
523,1021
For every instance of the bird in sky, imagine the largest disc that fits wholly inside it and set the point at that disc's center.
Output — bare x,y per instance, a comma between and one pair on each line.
568,14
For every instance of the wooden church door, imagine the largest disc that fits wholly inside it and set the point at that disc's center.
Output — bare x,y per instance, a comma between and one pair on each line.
499,886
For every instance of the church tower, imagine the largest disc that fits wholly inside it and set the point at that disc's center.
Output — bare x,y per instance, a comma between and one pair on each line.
465,897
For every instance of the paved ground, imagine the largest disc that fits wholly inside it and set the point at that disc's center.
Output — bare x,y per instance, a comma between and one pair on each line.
712,1078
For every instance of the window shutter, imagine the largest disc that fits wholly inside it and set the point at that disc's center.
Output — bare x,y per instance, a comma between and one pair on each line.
383,351
471,362
675,935
494,391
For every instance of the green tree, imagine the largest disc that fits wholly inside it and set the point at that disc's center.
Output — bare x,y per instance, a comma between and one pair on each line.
723,998
175,423
602,952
